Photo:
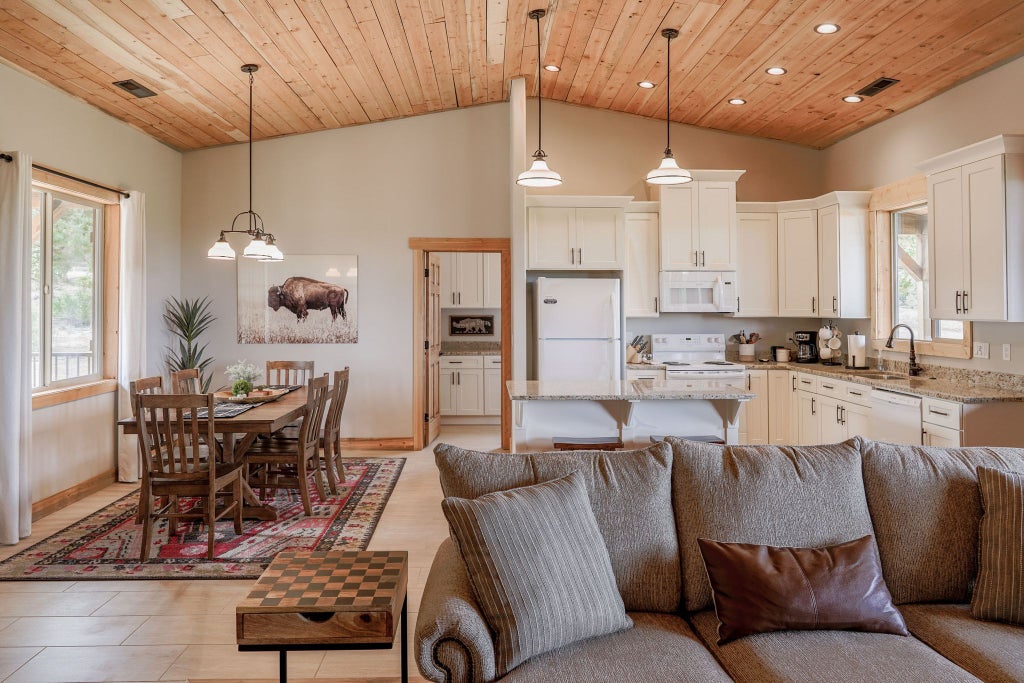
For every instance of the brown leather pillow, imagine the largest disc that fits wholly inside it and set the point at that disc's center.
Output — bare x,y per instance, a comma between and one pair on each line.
759,588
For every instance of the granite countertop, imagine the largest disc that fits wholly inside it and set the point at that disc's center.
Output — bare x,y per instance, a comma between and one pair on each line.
628,390
959,390
470,348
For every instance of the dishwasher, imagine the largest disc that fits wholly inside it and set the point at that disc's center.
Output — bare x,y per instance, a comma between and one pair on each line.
895,417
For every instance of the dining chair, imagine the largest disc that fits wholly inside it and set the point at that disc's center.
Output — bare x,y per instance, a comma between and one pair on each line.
143,385
289,372
179,464
186,381
330,440
287,463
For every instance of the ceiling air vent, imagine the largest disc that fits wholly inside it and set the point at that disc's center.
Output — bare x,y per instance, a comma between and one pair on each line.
135,88
877,87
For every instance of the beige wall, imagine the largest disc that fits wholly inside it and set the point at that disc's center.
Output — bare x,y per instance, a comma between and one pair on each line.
75,442
987,105
363,190
606,152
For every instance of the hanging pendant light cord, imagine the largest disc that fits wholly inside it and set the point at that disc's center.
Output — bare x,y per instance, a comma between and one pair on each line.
539,154
252,220
669,35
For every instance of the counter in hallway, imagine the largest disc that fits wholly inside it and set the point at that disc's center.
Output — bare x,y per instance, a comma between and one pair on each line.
632,409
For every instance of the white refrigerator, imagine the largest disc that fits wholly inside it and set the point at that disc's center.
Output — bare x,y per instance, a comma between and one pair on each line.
577,329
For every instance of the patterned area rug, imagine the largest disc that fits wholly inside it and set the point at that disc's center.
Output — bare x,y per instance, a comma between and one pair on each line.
105,545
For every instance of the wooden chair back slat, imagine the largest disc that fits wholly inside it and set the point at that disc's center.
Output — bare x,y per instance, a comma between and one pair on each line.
186,381
316,400
174,435
145,385
289,372
339,392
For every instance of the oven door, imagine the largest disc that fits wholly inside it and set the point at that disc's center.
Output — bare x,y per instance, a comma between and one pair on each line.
698,291
690,379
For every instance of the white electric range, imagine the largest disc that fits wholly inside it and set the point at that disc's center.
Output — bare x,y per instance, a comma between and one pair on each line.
698,359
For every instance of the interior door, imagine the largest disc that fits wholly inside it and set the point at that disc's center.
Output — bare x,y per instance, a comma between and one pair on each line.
432,422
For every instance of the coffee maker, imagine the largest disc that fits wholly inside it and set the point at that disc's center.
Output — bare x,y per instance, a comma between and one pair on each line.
806,346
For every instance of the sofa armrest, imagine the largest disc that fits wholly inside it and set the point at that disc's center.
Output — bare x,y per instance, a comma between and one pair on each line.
453,642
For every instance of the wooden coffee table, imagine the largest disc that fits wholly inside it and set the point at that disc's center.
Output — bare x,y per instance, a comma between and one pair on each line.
327,601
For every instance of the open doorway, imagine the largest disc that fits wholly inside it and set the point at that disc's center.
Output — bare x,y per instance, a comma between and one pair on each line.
430,327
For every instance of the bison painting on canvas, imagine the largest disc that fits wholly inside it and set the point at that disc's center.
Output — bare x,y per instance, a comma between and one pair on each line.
305,299
300,294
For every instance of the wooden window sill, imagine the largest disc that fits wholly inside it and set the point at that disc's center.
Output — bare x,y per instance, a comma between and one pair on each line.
54,397
941,349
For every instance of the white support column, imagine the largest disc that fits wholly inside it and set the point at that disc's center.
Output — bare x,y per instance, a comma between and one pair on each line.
517,223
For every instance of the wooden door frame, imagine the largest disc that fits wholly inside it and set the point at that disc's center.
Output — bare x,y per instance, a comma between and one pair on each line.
493,245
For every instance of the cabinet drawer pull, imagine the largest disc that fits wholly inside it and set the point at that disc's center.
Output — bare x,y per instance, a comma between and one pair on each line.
316,617
856,393
827,386
938,412
455,362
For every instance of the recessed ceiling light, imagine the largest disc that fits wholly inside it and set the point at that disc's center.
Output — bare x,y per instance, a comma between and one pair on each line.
853,99
827,28
645,84
737,100
552,67
775,70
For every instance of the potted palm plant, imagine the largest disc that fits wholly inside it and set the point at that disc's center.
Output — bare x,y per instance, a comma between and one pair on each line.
188,319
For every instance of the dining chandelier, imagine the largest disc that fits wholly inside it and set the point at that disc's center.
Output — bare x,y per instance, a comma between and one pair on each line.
539,175
668,173
262,246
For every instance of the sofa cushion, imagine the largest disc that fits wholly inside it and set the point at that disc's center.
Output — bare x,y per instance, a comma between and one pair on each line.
999,592
990,651
538,566
834,656
761,588
659,648
926,509
630,493
808,496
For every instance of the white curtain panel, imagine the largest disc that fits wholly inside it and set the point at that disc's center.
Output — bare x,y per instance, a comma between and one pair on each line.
131,357
15,348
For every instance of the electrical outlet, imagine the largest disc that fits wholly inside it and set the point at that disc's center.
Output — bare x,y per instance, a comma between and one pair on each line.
981,349
1006,352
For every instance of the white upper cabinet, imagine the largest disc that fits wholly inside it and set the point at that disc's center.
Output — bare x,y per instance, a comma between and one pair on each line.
758,264
976,231
641,276
798,264
576,233
698,222
492,280
843,257
467,280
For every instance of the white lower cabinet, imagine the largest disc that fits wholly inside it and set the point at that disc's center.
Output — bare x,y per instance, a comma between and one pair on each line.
754,419
857,418
492,385
808,418
934,435
831,428
462,385
779,407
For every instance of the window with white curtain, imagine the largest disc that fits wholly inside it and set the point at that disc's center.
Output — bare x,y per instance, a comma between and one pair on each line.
67,281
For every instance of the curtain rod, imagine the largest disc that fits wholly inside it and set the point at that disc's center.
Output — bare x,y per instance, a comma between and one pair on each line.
8,158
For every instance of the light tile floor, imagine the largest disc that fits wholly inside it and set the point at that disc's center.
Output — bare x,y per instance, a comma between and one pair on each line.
65,631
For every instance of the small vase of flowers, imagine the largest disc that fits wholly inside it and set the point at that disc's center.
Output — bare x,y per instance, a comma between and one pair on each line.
242,375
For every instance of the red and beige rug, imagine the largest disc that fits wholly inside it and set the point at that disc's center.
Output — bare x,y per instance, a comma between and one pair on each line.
106,544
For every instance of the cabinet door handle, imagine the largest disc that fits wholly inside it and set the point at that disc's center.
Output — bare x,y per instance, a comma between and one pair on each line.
748,382
958,302
572,256
695,264
453,298
813,411
458,378
814,304
794,383
835,304
703,262
737,304
839,417
965,301
453,379
460,297
656,309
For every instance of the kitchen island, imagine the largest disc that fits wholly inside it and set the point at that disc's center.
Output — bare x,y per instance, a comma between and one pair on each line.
632,409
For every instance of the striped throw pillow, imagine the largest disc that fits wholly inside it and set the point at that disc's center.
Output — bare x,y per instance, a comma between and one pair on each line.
539,567
997,594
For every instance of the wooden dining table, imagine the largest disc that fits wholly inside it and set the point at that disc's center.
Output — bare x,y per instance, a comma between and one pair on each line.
238,433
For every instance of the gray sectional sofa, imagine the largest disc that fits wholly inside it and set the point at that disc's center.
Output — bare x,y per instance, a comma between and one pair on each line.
922,505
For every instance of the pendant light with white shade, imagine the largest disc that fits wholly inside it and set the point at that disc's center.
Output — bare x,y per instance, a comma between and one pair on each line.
262,246
539,175
668,173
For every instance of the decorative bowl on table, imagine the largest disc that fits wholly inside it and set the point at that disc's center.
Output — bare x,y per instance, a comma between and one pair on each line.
252,397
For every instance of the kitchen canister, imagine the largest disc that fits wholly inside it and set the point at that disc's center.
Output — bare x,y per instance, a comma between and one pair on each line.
856,350
747,351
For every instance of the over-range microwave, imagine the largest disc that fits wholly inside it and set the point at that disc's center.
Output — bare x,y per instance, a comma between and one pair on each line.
706,291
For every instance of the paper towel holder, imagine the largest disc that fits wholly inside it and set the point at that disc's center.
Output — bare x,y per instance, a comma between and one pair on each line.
850,357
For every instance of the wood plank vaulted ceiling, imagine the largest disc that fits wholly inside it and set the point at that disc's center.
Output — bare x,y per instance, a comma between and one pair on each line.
332,63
